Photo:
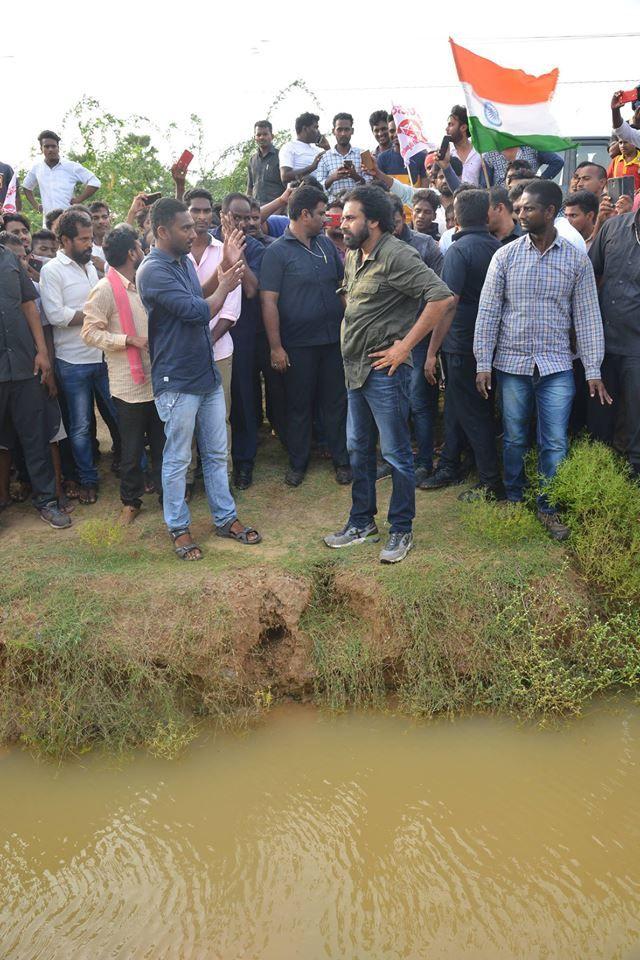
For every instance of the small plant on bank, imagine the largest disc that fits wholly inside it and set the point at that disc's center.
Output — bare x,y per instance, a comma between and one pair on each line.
100,535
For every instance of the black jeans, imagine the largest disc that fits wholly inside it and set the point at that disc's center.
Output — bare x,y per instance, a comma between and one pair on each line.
24,401
467,413
135,421
275,400
316,370
621,376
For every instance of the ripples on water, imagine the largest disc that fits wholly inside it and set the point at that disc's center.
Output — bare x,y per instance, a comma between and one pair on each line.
357,838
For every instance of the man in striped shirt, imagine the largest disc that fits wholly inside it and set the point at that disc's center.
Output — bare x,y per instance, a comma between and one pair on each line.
537,289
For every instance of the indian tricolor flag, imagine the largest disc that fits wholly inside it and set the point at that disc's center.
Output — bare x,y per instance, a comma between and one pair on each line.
507,108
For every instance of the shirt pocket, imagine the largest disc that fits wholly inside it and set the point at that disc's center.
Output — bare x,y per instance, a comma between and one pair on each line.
364,291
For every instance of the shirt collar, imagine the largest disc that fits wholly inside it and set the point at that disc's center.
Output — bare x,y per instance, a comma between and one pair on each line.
556,242
159,254
127,283
374,253
263,156
466,230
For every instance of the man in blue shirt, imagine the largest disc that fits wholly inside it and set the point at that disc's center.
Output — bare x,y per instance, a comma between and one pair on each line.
186,384
302,313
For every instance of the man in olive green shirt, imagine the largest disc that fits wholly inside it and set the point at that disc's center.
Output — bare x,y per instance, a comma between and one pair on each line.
385,281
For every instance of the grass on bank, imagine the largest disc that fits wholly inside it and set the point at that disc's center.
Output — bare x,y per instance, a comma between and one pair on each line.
485,614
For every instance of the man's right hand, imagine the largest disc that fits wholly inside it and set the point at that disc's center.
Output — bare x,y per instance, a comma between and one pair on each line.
483,384
280,359
137,204
615,100
141,343
430,370
606,209
229,279
232,247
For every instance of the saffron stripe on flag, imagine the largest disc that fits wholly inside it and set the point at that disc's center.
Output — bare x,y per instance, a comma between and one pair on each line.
493,82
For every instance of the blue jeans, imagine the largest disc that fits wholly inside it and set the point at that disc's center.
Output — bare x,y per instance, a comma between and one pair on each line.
182,415
552,397
424,405
79,380
381,406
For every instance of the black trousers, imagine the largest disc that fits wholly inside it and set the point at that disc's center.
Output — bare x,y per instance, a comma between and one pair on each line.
621,376
316,370
468,415
24,401
275,398
137,420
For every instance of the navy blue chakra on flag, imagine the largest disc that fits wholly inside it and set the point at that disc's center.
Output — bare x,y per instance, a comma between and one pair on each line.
491,114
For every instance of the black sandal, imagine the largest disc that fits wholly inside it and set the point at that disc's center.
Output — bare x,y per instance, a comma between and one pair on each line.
242,536
187,548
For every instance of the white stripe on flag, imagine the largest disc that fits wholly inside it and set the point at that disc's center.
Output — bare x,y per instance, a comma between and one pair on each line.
522,120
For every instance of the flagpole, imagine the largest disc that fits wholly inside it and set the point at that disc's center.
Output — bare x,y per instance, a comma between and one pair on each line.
485,171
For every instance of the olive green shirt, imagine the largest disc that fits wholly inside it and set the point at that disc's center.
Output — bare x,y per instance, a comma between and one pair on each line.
384,293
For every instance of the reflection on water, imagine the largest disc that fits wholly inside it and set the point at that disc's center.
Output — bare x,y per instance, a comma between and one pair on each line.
355,838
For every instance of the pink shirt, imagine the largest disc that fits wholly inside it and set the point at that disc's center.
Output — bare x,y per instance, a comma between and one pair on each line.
209,263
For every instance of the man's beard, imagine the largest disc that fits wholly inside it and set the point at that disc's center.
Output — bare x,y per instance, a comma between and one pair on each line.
355,240
82,258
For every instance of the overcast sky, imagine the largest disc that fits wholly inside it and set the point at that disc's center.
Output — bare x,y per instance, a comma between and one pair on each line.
228,62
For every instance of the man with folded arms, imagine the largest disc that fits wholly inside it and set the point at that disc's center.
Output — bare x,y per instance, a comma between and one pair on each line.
115,322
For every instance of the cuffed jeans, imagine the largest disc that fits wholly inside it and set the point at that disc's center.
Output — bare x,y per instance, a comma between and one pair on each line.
79,380
552,397
182,414
381,406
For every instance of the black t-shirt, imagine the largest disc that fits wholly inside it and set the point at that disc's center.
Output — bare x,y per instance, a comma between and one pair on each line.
17,347
464,270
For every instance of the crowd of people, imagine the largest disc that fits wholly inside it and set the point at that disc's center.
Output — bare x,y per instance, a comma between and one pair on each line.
335,299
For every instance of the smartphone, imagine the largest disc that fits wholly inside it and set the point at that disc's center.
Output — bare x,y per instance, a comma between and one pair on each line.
319,137
629,96
151,198
444,146
333,220
621,186
185,159
366,159
348,164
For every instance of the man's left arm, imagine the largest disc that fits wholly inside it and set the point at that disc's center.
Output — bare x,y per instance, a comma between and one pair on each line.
554,163
587,322
89,179
41,363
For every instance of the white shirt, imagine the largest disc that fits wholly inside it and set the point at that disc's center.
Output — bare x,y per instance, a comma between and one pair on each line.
471,167
65,287
298,155
570,233
230,310
56,184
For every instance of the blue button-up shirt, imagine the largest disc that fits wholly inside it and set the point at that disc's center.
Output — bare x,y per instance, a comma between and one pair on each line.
528,305
179,343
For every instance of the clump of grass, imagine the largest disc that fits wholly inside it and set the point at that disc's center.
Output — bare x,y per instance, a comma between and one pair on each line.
348,670
101,534
500,523
602,506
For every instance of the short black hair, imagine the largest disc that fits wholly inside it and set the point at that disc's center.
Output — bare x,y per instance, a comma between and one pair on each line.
197,192
471,208
48,135
396,204
311,181
305,198
230,197
519,165
264,123
342,116
254,204
500,195
15,218
546,192
164,211
460,114
336,202
602,173
428,196
10,240
378,116
520,172
71,221
516,192
99,205
53,215
43,235
375,205
587,201
306,120
117,244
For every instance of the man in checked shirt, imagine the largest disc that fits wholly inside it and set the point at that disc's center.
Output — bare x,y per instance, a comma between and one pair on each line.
537,290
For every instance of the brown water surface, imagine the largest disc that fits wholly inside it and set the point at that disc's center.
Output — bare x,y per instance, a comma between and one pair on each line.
354,838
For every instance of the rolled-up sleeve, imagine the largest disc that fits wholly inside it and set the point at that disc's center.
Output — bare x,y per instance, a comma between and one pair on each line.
627,133
85,176
489,316
408,274
52,294
587,321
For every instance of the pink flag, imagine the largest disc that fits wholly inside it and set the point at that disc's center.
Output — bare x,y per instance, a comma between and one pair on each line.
9,204
410,134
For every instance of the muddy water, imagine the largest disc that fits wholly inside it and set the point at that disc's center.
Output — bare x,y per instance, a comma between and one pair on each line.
356,838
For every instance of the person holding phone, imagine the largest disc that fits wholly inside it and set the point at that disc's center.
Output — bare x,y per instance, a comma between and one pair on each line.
301,156
340,168
622,129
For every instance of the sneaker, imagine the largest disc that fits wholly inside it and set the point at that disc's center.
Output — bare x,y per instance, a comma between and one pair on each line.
397,547
344,476
350,535
482,492
440,479
383,470
54,516
293,478
557,529
422,474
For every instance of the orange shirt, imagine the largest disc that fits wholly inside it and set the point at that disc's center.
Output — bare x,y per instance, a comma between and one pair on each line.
619,167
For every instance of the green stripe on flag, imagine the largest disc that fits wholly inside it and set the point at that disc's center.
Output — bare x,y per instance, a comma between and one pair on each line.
485,139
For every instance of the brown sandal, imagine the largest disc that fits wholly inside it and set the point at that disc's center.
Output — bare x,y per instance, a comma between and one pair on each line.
88,495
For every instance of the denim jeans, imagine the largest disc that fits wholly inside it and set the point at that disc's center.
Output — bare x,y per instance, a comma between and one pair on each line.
552,397
182,414
424,405
381,406
79,380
